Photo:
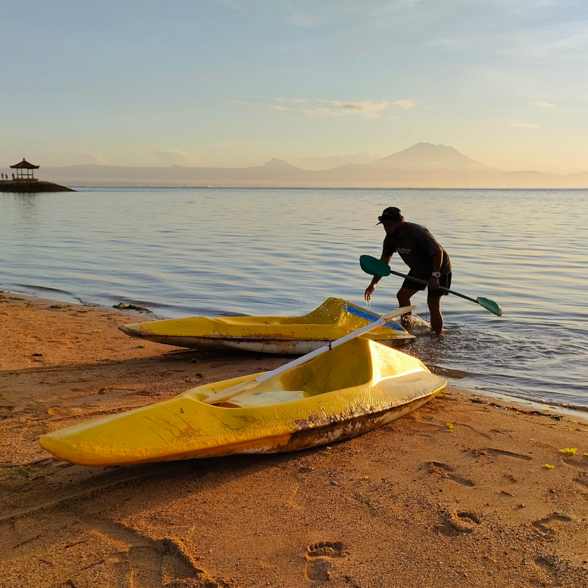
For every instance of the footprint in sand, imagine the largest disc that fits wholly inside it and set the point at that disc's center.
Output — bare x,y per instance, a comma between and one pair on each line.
153,562
582,479
576,462
458,522
446,471
318,556
492,451
543,524
325,548
582,468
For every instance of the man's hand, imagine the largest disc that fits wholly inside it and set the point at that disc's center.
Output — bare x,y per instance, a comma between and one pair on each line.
368,292
433,283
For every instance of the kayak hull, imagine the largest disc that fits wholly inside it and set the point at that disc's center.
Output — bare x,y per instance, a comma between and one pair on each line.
344,393
335,318
273,346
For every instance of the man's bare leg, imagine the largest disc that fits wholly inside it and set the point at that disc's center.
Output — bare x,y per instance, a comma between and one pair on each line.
436,316
404,295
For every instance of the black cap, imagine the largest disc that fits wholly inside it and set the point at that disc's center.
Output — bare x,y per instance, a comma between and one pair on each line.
390,214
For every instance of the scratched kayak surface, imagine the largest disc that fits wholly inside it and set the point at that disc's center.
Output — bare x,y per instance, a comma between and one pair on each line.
346,392
296,335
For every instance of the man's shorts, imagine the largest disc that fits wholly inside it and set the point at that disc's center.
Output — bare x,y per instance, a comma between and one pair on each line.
444,282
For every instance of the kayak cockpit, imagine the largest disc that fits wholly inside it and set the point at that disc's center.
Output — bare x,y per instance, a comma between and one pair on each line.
344,367
259,399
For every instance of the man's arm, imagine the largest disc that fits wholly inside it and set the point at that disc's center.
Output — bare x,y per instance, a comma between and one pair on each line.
369,290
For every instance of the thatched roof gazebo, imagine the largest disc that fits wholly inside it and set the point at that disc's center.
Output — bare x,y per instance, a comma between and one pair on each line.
26,183
24,170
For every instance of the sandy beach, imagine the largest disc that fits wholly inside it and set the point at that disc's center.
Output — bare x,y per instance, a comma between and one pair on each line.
455,494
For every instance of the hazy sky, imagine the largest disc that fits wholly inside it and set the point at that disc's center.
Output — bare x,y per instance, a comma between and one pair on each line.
236,82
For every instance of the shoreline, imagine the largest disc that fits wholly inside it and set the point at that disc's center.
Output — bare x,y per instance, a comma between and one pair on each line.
477,494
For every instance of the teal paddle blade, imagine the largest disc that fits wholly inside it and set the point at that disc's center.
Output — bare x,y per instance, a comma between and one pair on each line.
374,267
490,305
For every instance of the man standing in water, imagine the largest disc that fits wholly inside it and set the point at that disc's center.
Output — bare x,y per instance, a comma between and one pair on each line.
423,255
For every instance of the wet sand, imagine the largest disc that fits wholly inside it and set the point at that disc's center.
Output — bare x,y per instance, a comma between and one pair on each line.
414,503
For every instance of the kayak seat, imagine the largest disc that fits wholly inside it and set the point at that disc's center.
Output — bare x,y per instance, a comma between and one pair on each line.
252,399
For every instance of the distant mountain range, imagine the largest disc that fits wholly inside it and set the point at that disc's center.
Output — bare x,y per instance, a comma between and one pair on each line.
421,166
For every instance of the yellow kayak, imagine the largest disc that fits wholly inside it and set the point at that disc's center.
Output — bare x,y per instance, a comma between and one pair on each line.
299,335
343,393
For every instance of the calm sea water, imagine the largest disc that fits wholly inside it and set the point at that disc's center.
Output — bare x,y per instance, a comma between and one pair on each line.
183,252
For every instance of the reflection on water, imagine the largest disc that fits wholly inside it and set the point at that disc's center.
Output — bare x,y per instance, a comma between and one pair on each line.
26,205
249,251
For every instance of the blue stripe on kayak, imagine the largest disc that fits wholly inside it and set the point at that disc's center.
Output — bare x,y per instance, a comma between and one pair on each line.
371,316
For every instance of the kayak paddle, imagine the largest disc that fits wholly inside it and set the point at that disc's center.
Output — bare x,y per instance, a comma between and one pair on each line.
376,267
225,395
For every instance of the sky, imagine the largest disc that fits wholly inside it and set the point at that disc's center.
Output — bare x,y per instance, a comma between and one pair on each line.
238,82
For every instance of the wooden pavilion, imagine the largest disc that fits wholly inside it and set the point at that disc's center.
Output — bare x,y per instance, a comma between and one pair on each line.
24,170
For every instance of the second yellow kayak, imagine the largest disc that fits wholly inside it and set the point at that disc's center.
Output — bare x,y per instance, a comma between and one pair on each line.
333,319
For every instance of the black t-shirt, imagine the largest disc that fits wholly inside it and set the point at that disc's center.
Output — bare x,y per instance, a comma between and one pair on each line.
416,246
